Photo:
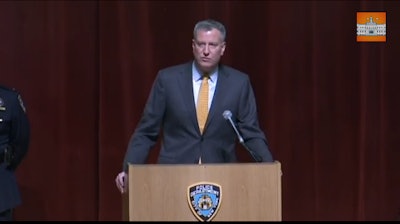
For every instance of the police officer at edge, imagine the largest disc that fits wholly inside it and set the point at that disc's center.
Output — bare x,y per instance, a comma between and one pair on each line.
14,143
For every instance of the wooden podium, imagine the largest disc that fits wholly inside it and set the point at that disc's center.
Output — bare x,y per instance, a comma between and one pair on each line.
205,192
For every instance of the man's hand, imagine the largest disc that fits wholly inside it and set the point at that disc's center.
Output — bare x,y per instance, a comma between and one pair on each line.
122,182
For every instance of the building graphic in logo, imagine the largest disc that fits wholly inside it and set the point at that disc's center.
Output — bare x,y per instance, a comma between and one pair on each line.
204,200
371,26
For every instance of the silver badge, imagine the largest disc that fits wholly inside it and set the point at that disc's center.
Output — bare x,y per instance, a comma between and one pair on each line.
2,107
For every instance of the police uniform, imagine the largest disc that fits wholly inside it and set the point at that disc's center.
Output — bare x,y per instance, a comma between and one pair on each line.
14,142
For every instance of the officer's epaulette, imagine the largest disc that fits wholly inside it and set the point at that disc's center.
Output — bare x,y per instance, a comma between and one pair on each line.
13,90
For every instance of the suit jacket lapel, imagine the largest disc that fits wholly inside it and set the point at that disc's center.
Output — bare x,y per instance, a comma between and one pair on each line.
185,83
219,94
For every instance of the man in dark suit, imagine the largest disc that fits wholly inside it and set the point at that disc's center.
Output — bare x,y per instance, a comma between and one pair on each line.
172,104
14,141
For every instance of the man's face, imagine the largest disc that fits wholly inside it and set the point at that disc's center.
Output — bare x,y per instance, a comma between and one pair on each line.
208,48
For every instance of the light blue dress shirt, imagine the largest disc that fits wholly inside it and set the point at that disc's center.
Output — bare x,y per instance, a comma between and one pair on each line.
212,83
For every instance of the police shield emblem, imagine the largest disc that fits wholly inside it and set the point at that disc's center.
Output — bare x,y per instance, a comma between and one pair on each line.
204,200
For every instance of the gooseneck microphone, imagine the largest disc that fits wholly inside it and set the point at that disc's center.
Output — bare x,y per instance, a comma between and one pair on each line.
228,116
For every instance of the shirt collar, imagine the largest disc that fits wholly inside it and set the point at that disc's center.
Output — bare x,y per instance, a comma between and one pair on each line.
198,76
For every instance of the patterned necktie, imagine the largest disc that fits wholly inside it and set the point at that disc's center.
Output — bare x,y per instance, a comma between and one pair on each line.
202,103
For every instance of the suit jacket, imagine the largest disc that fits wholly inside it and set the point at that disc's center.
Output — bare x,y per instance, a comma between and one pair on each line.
171,108
14,135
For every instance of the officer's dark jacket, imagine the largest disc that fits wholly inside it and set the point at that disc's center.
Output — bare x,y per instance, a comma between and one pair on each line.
14,138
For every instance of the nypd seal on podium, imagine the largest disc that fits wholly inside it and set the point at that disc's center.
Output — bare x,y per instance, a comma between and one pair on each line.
204,200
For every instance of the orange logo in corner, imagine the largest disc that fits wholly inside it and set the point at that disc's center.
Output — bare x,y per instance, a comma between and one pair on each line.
371,26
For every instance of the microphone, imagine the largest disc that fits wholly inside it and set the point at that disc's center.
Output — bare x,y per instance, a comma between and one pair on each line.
228,116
